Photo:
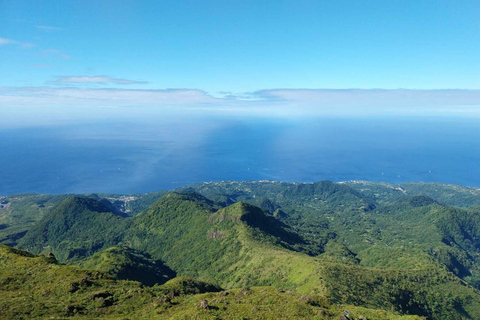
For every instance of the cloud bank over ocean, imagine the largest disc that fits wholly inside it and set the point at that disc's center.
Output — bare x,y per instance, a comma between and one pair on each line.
287,101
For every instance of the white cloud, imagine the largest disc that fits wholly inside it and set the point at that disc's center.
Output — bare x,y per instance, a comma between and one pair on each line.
48,28
279,102
55,53
373,97
94,80
373,101
77,97
4,41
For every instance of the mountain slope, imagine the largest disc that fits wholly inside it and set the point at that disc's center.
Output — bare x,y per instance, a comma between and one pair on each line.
18,213
322,195
75,228
196,240
35,287
449,194
383,257
402,228
232,247
126,263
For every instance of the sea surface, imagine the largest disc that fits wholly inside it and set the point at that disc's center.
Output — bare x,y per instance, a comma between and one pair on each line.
137,156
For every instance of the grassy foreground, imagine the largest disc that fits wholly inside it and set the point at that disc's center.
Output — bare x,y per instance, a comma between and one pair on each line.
37,287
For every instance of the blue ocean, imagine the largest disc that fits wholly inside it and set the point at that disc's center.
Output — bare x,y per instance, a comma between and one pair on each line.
138,156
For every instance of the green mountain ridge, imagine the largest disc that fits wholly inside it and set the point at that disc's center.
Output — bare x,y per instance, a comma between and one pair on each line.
125,263
405,252
75,228
36,287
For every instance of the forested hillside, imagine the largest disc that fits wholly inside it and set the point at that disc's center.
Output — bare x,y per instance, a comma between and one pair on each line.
370,245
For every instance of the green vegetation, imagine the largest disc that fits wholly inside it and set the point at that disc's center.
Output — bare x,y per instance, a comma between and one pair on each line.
125,263
18,213
372,245
74,229
449,194
127,205
37,287
381,225
270,303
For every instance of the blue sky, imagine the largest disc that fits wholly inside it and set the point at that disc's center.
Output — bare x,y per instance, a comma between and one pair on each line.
55,53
